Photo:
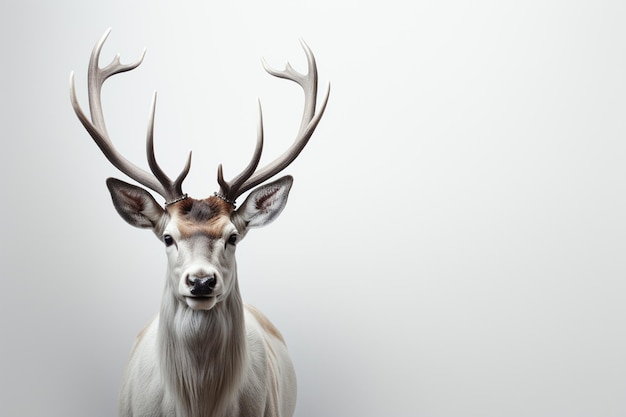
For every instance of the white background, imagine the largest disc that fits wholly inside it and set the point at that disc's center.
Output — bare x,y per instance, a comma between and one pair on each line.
454,241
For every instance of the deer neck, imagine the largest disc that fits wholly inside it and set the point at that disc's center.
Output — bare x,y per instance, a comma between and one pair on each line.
202,354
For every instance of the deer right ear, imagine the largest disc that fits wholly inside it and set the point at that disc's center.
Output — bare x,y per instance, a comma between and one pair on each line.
265,203
135,205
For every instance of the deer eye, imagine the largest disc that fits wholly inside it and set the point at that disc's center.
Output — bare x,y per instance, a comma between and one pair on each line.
232,239
168,240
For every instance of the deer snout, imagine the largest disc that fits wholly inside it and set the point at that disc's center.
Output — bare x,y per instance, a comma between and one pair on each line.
201,285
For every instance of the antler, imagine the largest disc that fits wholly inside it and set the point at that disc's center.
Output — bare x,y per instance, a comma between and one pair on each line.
158,181
249,177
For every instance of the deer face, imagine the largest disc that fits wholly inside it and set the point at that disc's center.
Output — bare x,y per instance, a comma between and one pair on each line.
200,241
200,236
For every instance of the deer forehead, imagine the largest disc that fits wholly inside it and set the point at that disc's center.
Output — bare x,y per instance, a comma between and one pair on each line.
210,217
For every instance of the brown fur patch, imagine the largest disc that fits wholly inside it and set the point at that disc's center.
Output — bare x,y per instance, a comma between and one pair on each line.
265,323
207,216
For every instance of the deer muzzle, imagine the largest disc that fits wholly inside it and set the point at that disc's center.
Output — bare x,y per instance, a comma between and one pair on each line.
201,286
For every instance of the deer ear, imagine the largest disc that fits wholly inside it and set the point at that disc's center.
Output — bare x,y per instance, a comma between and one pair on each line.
135,205
265,203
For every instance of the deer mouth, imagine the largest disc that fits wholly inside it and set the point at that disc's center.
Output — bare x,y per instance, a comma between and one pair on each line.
201,302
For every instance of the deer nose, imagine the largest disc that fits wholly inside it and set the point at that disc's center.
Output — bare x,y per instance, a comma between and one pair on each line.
201,285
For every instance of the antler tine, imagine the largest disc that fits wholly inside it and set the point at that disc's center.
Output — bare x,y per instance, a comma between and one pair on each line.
175,187
96,127
308,82
310,120
228,189
96,77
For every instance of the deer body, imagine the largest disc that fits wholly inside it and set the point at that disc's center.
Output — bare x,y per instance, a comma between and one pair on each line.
260,378
206,354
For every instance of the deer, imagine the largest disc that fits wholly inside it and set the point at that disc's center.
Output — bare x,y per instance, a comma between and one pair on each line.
206,353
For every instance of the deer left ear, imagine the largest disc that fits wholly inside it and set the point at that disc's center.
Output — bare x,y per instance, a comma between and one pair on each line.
135,205
265,203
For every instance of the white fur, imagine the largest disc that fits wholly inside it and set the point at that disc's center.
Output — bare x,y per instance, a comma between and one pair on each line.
188,365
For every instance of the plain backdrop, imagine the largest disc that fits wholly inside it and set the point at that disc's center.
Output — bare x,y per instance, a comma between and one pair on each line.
454,241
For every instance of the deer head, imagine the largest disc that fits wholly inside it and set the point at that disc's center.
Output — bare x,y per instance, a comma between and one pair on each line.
199,235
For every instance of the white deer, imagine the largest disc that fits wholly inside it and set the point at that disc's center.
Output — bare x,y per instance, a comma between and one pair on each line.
206,354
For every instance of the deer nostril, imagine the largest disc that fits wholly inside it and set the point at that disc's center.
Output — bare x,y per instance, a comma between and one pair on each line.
201,286
212,281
